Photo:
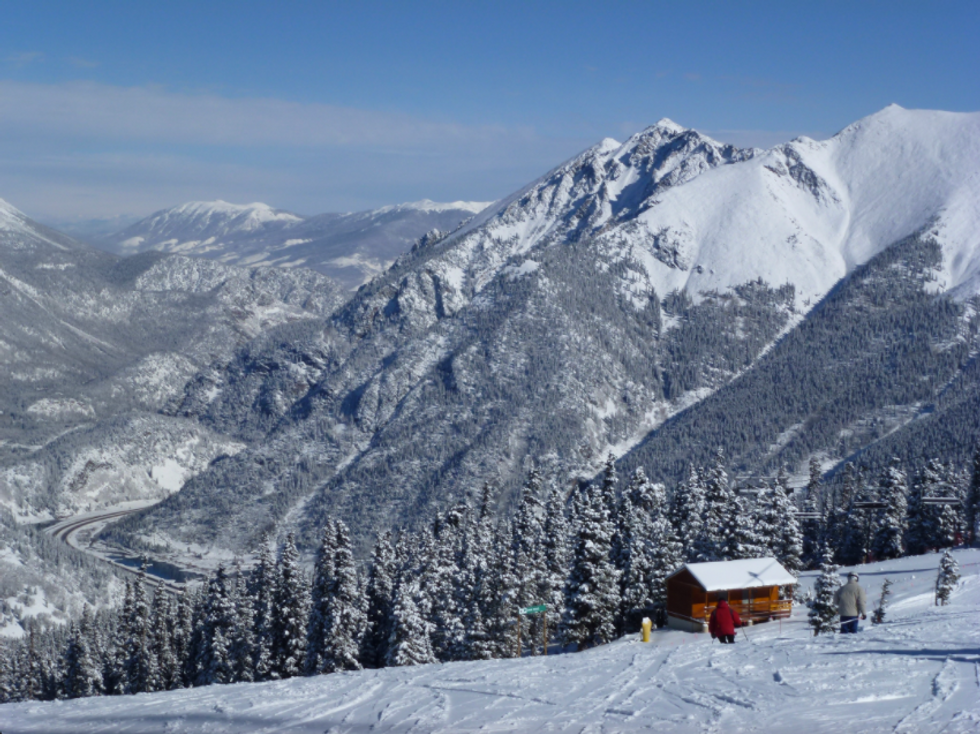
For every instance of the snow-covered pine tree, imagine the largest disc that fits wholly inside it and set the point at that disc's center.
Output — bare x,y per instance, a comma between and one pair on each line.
140,663
889,540
687,512
719,537
183,632
289,613
654,552
321,589
213,637
860,525
6,671
758,532
812,528
262,589
82,673
380,593
608,490
441,579
556,558
592,593
838,506
823,610
630,561
421,564
167,671
475,644
31,684
485,611
789,538
114,681
664,551
878,617
410,642
949,574
933,525
527,549
241,646
498,591
344,619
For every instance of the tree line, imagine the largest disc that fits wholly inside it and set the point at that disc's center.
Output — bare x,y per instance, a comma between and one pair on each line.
597,557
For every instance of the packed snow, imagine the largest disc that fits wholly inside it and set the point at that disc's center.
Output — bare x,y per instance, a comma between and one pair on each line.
920,671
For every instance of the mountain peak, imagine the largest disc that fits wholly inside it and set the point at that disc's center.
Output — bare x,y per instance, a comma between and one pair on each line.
665,124
255,210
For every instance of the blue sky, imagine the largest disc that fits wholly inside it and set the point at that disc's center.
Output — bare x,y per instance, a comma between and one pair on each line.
129,107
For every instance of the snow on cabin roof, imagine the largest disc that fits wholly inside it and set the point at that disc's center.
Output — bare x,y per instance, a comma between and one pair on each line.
743,574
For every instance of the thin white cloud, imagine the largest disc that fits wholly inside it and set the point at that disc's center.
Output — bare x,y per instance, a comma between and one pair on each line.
151,114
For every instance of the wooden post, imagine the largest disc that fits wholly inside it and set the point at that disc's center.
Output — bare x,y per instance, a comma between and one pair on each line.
546,633
518,632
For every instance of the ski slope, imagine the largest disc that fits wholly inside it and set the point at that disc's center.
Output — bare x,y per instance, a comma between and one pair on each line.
919,672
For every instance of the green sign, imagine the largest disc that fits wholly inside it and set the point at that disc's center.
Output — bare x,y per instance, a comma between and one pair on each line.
535,610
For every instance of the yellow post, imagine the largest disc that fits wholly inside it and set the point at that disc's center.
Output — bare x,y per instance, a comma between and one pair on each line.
647,625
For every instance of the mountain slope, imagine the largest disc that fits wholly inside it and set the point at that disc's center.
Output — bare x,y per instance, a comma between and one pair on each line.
351,248
87,336
581,313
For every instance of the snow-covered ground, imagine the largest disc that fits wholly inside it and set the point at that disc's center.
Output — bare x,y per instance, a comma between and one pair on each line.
919,672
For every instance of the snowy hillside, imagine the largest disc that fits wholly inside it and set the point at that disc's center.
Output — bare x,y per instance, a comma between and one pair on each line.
915,673
87,337
351,248
804,213
598,308
809,212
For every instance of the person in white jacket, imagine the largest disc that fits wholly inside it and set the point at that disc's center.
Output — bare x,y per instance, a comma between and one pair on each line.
851,602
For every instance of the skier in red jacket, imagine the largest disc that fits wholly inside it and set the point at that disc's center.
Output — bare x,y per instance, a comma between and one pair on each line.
723,622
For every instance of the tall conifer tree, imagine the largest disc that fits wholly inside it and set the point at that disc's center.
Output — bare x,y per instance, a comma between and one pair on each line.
592,595
289,613
889,539
380,594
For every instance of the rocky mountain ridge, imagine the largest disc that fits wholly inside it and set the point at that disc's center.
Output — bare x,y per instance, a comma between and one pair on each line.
576,317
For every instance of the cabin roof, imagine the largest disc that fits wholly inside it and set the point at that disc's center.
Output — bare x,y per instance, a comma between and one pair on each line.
743,574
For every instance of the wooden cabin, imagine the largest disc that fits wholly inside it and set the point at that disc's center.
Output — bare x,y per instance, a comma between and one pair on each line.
751,586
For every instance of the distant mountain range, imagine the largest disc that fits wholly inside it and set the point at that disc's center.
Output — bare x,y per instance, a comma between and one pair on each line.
92,345
351,248
655,299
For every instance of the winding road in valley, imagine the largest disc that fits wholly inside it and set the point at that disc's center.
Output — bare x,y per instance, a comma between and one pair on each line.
69,530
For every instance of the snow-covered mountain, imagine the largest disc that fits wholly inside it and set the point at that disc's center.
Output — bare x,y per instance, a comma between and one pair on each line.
654,299
804,213
578,315
92,345
351,248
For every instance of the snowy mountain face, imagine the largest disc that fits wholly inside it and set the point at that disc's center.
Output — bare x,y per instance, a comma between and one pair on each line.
351,248
92,345
644,298
577,316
